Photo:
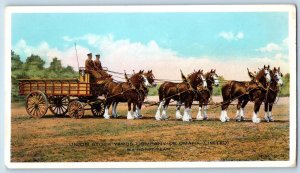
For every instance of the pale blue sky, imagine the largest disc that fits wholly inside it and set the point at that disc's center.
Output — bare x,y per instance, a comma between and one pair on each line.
189,34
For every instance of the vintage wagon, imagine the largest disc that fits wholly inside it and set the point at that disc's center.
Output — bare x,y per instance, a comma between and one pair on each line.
62,96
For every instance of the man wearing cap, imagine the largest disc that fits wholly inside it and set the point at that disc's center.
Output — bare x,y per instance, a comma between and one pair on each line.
89,64
98,67
97,63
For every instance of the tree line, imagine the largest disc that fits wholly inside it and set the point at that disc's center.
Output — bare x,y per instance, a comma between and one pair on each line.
34,68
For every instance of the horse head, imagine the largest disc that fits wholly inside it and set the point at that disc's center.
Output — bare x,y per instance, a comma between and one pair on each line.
139,79
197,78
277,75
264,76
212,77
150,77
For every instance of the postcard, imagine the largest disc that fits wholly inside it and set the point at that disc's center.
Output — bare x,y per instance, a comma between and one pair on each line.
168,86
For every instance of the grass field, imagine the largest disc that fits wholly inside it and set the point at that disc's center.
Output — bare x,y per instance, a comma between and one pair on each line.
57,139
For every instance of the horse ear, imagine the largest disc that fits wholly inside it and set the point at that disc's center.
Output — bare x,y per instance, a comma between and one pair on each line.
199,71
268,66
215,70
212,70
264,66
126,77
278,68
274,68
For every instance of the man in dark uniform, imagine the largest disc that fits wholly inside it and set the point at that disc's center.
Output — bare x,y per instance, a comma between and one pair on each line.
97,63
98,67
89,64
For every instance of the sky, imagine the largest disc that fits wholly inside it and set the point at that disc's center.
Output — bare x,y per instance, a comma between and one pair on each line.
229,42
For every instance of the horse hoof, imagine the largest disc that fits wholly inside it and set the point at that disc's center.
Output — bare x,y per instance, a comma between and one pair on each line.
205,118
116,116
256,120
223,120
200,118
242,118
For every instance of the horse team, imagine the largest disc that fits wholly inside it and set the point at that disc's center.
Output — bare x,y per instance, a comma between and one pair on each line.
198,86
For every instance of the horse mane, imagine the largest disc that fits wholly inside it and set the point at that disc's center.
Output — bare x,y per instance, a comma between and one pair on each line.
260,75
191,76
134,78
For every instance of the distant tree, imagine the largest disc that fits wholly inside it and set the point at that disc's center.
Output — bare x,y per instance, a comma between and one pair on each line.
69,72
217,89
285,89
34,67
17,72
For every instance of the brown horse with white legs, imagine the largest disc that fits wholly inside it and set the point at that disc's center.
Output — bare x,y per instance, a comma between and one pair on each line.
205,93
144,91
272,92
124,92
180,92
254,90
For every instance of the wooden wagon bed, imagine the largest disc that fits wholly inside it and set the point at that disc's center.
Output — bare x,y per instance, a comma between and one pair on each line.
55,87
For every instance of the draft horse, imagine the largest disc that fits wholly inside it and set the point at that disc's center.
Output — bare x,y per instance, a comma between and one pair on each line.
272,92
254,90
124,92
205,93
180,92
144,91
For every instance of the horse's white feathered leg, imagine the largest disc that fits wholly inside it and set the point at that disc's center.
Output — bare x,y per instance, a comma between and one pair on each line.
199,115
106,115
238,115
130,115
186,116
157,115
223,116
255,119
205,116
178,114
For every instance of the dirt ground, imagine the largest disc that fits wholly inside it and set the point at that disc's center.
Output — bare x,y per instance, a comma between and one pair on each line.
57,139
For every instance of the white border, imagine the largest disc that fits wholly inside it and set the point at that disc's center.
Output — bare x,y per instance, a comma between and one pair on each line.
153,8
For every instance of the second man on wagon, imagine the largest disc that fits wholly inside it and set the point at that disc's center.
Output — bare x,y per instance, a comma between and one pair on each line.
98,67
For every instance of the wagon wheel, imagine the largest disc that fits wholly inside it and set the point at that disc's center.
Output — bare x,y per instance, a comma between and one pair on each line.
59,105
98,109
76,109
36,104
